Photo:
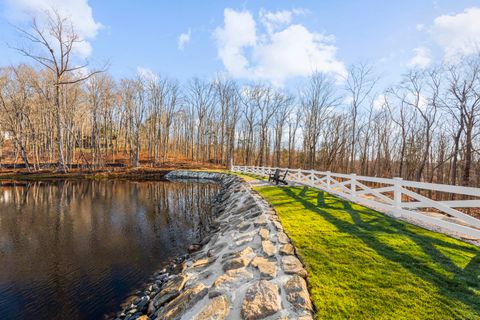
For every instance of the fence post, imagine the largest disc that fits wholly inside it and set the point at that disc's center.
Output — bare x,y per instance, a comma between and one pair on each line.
397,196
312,177
328,179
353,185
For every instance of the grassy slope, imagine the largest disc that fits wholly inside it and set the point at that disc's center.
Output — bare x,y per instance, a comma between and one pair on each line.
364,265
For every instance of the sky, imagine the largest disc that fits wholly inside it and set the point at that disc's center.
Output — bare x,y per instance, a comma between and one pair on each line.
278,42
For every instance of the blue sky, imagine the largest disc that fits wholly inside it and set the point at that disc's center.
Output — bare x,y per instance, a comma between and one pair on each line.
258,40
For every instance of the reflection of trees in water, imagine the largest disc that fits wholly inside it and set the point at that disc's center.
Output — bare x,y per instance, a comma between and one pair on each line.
52,229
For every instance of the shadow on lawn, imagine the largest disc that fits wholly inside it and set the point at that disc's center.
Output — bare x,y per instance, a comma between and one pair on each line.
461,286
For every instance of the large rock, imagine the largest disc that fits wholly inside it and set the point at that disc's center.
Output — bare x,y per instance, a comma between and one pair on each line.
246,252
268,248
278,225
264,234
200,263
171,290
297,293
243,235
248,205
229,280
267,268
261,300
244,226
243,241
238,259
291,265
282,238
287,249
261,221
177,307
217,309
236,263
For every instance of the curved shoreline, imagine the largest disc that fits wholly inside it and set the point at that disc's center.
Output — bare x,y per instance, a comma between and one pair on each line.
245,268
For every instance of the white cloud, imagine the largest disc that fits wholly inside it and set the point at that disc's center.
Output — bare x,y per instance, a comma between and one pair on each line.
78,11
274,20
422,102
458,34
286,50
421,58
146,74
237,33
183,39
420,27
379,102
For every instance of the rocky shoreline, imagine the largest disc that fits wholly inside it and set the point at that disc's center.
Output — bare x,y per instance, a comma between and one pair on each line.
246,268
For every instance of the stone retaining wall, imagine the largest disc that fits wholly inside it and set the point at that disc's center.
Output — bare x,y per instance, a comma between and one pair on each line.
245,269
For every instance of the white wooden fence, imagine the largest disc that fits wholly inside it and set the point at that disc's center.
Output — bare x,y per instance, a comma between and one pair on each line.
396,196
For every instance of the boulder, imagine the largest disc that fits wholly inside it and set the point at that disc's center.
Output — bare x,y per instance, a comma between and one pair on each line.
176,308
291,265
269,248
230,279
216,309
243,241
297,293
238,259
282,238
267,268
278,225
194,247
261,300
244,226
287,249
264,234
261,221
236,263
246,252
200,263
171,289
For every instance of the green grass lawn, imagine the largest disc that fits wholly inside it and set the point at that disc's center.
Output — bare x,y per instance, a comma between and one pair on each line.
245,176
249,176
365,265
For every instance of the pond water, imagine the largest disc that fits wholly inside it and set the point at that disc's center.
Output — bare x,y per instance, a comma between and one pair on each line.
76,249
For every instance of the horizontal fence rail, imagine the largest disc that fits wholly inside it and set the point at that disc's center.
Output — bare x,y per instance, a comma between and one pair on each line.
400,197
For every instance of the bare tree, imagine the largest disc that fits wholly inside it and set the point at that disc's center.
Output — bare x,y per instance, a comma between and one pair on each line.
359,84
56,41
317,100
229,99
464,90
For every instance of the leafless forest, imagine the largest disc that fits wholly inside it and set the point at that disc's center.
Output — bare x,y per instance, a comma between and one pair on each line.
53,111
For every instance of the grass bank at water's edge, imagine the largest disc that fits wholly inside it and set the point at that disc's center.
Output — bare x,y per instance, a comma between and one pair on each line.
365,265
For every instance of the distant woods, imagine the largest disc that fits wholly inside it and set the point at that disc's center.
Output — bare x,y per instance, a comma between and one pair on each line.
426,127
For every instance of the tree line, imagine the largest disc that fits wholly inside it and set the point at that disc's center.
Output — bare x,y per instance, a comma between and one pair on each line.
425,127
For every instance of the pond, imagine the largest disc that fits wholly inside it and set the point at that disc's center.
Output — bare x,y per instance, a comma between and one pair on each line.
76,249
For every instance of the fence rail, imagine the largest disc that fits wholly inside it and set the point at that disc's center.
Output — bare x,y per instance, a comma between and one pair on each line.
400,197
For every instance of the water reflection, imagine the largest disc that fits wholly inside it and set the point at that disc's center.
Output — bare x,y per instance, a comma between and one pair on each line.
74,249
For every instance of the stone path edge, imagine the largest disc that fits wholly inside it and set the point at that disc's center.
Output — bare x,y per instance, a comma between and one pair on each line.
245,268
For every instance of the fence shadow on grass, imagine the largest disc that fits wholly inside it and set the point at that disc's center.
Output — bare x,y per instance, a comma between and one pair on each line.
461,286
